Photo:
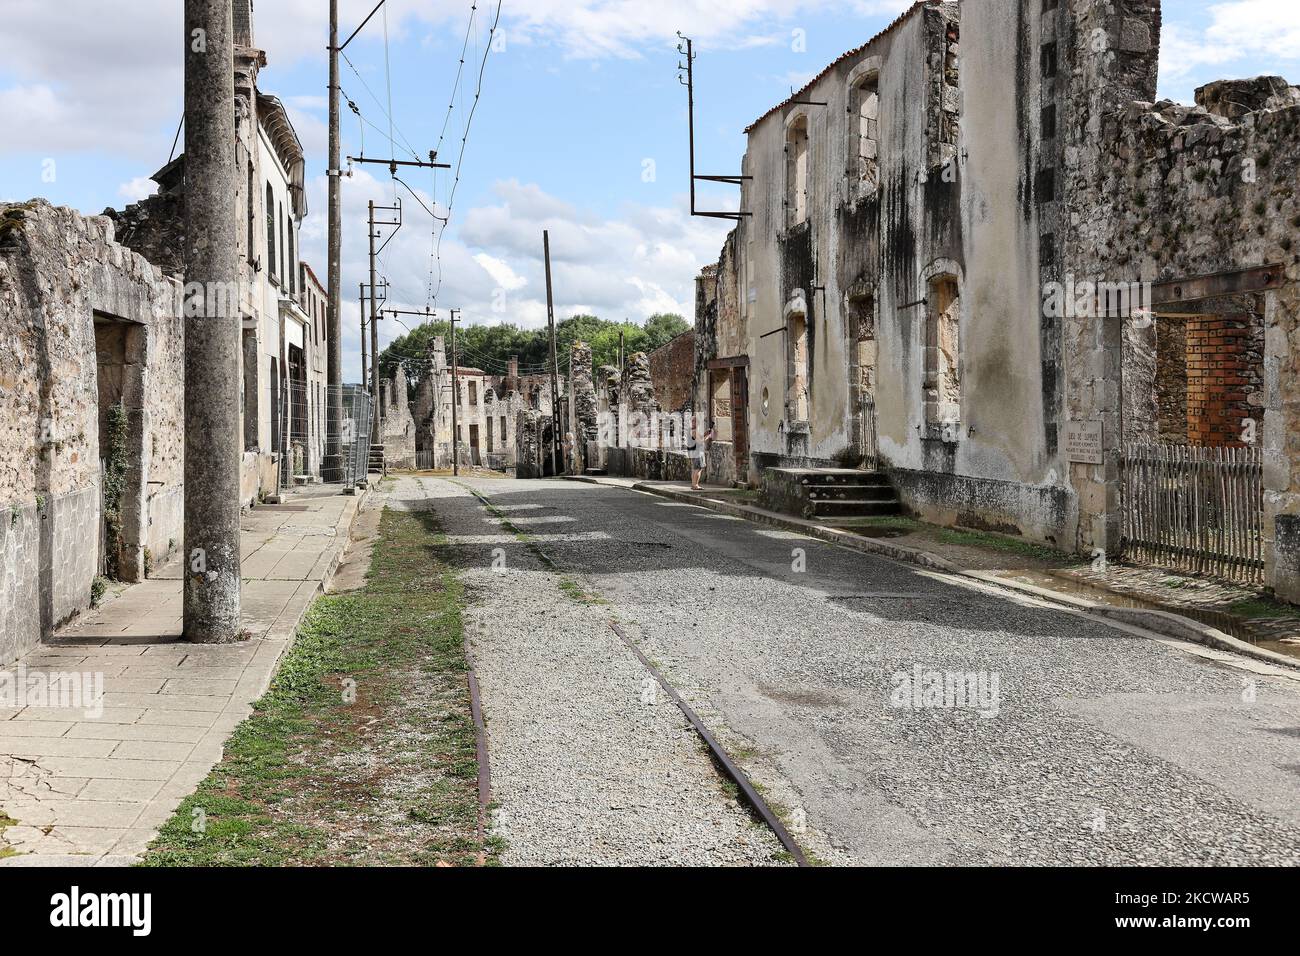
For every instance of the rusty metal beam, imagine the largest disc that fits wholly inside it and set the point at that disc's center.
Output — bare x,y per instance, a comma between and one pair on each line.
736,361
1236,282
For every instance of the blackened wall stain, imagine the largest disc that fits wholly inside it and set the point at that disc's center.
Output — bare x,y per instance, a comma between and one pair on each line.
799,271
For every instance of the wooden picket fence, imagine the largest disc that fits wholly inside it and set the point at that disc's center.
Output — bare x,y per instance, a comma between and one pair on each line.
1195,509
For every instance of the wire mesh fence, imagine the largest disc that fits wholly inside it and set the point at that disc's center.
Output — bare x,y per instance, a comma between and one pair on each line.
294,421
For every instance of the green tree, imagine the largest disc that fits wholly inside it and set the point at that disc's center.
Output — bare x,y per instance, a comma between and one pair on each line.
490,347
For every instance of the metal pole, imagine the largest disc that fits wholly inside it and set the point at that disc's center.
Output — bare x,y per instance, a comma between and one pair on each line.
555,361
213,443
374,336
455,399
690,111
332,465
361,301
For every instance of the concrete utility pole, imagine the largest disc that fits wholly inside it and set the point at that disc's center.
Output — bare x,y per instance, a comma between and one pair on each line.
361,301
455,399
213,441
332,464
555,360
374,336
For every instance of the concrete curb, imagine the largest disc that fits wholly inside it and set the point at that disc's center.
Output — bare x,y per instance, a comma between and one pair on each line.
289,630
1164,623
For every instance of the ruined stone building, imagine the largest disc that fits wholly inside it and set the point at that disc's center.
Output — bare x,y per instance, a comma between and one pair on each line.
281,299
397,430
976,255
91,417
487,410
92,405
307,408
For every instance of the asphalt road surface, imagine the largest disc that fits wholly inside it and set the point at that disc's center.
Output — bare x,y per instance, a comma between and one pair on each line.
896,716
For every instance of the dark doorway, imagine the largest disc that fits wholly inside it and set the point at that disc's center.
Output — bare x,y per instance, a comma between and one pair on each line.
120,359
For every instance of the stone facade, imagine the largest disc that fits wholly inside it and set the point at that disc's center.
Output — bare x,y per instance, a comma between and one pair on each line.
487,413
888,301
284,344
86,324
583,422
1201,203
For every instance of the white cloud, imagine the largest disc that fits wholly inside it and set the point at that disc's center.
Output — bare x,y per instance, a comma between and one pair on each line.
501,272
631,266
139,188
1243,37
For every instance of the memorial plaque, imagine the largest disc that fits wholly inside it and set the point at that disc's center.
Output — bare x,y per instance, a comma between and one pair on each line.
1083,442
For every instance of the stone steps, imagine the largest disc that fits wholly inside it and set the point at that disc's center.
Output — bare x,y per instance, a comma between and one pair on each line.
823,508
830,494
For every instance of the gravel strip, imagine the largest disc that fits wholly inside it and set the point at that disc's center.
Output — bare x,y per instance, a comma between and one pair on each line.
591,763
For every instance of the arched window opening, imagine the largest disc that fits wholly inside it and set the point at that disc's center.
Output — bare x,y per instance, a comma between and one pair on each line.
943,358
797,172
866,129
272,261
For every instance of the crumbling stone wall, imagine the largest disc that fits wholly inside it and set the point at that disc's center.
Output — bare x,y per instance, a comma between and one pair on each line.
1188,191
582,403
60,274
1171,380
672,370
638,384
155,226
398,432
532,443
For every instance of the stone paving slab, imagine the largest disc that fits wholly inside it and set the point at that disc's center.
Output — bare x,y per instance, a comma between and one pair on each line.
89,786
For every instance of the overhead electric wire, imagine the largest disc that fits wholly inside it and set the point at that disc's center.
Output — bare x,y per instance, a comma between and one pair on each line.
378,102
460,160
451,105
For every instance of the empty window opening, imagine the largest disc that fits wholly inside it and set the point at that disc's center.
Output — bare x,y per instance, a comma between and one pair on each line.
797,168
270,230
797,399
866,127
942,358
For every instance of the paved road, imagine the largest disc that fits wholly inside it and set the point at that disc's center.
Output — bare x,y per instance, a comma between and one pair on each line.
591,764
1101,746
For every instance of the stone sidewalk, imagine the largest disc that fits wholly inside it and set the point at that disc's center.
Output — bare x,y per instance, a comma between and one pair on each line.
88,788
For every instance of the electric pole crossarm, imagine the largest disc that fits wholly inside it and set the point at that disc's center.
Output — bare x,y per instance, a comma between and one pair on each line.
393,163
427,313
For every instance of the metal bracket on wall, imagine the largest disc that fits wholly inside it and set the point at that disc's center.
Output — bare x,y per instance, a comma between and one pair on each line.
688,51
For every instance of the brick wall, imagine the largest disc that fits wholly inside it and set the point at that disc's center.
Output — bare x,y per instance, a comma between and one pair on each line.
1223,362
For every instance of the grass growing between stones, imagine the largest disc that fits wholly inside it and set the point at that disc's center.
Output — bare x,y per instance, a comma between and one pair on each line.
1262,608
363,750
6,822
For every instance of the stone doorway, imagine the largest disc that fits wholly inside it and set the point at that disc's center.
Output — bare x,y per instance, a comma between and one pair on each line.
1192,423
120,355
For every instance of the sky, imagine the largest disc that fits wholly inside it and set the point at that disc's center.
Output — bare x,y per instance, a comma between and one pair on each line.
580,126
